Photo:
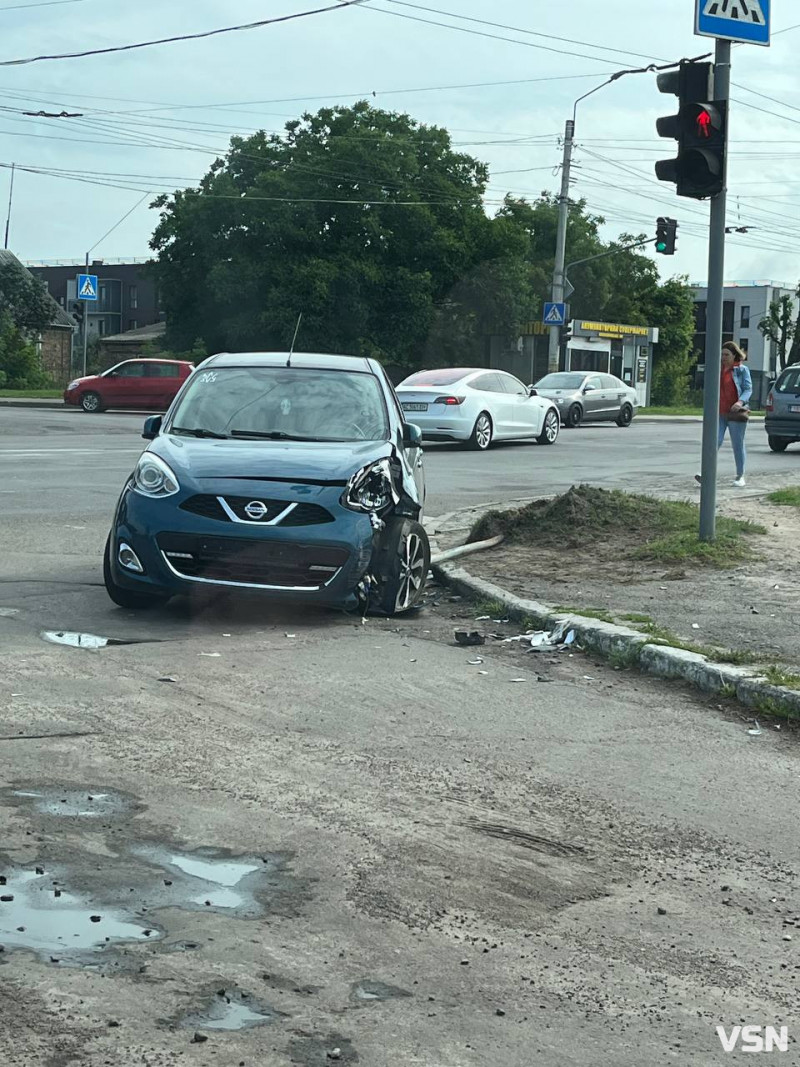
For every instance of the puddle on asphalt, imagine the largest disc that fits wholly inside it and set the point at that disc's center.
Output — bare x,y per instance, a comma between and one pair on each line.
49,924
367,991
89,641
211,881
231,1009
75,803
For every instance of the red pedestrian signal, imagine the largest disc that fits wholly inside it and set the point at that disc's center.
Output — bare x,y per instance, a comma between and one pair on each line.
700,128
704,124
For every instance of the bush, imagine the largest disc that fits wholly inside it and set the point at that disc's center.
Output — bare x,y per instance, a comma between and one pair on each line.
20,365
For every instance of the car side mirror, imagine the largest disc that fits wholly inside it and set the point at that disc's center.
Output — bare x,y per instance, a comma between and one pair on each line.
152,427
532,390
412,436
588,388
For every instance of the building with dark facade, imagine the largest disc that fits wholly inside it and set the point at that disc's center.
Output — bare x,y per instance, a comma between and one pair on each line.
127,295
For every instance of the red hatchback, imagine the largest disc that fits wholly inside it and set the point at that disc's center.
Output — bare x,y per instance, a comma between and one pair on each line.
144,384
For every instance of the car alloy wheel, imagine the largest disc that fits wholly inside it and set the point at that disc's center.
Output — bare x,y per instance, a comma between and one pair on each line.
482,433
552,424
90,402
574,417
413,571
625,417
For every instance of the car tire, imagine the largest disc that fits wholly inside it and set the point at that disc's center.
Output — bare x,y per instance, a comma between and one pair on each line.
91,403
550,429
778,444
482,433
400,568
126,598
574,417
625,417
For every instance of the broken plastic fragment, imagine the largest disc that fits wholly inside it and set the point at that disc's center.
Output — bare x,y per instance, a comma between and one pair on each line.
475,662
755,731
469,637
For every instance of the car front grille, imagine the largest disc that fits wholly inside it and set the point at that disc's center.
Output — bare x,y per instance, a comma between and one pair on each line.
212,507
269,564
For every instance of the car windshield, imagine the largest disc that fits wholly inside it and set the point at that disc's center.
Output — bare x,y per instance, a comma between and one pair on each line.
283,403
561,381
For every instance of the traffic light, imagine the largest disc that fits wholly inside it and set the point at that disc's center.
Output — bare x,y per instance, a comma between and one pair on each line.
77,310
666,236
565,335
701,130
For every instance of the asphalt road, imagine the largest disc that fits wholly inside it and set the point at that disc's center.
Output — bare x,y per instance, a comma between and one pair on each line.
65,462
523,862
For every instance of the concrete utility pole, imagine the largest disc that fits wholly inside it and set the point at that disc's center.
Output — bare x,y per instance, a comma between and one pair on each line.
716,284
85,324
561,241
10,203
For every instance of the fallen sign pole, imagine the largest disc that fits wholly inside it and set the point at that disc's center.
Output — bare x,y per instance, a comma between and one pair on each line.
716,284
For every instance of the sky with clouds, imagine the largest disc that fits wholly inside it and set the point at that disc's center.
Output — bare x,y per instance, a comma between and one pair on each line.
154,119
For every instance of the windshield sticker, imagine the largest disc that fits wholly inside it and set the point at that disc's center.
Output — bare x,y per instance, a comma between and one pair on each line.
208,376
286,406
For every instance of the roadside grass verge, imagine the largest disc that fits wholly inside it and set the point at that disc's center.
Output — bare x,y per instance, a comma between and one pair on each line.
587,520
787,498
31,394
684,409
781,677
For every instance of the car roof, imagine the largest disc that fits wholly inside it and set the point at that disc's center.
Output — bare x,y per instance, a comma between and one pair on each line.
138,359
306,360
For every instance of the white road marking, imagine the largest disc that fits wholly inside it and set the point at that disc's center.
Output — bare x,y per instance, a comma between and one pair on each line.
72,451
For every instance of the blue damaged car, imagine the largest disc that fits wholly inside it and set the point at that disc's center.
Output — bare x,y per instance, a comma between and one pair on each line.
292,475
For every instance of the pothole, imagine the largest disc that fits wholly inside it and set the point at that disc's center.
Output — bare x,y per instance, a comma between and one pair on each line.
92,642
36,913
209,880
231,1009
71,803
366,991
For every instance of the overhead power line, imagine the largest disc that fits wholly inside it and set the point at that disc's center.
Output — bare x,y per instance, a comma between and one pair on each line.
340,6
40,3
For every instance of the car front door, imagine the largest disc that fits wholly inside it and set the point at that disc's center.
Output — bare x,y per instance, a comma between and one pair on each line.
126,386
593,401
496,401
526,415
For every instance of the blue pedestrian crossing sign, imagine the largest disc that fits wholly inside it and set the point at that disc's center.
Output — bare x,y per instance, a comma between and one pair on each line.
747,21
554,314
87,287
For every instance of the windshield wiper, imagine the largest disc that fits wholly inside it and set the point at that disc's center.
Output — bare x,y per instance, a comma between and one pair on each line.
272,435
199,431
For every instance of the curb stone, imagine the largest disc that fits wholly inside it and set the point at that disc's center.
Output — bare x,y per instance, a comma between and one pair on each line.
610,640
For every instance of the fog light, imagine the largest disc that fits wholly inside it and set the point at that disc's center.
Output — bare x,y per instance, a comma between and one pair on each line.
129,560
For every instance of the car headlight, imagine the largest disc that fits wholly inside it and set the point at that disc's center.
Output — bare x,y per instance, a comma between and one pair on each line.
73,385
371,488
153,477
560,400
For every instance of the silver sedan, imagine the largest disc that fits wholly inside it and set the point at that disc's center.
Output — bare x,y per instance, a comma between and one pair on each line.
477,407
585,396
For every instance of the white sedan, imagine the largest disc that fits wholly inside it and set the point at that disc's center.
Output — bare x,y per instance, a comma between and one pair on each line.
477,406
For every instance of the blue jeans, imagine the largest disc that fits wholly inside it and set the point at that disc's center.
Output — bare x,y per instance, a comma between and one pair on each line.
737,432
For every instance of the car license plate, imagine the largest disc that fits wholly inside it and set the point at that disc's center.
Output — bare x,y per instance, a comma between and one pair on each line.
415,407
794,409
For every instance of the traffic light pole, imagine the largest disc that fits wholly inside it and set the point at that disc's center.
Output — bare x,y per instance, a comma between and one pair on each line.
713,356
86,325
561,242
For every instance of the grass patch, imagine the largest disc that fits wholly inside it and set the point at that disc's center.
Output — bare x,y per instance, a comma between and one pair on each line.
787,498
494,608
589,613
31,394
637,619
589,519
783,678
625,659
684,409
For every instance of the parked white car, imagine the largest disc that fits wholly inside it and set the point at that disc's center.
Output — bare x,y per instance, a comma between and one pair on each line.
477,407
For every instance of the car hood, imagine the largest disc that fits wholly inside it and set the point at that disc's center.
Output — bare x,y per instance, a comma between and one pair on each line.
310,462
554,394
87,378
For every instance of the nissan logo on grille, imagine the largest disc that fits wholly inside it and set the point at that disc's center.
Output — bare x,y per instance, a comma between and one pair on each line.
256,510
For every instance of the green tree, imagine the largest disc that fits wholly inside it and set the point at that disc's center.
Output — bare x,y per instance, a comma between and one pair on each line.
318,221
20,366
24,299
671,309
780,327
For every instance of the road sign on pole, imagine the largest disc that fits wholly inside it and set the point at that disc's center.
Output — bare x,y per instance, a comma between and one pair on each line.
746,21
87,287
555,314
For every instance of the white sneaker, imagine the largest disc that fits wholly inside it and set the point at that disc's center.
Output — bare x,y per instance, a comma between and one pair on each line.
740,483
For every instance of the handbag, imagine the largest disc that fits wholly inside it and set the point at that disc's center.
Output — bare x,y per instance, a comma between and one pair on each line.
742,415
